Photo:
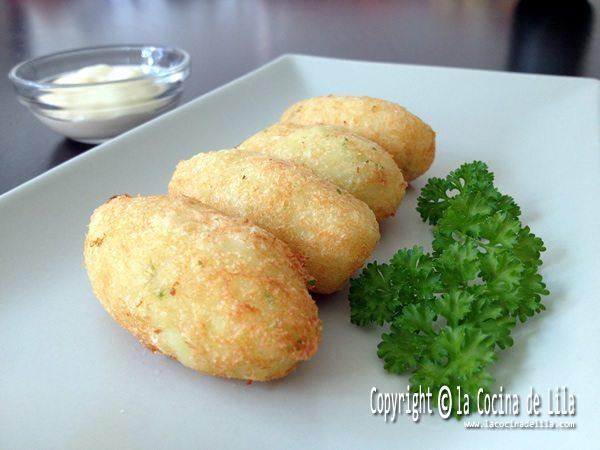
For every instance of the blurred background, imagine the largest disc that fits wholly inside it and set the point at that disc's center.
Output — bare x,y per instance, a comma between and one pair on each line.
228,38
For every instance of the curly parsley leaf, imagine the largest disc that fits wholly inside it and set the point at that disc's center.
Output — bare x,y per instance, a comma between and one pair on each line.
374,297
382,290
450,311
416,278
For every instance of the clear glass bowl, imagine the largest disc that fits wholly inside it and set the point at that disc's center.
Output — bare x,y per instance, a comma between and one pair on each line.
95,112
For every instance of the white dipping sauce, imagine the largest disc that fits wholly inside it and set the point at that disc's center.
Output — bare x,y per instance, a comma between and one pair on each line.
103,101
102,110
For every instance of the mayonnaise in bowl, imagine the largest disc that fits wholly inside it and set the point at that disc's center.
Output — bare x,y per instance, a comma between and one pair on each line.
105,100
95,102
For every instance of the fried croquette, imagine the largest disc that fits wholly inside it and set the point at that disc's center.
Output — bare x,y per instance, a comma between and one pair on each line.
354,163
220,295
406,137
334,231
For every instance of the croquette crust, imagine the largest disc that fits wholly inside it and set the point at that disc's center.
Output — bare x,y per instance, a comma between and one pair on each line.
356,164
221,295
333,230
410,140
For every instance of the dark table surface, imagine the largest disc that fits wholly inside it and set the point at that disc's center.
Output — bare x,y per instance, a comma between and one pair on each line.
229,38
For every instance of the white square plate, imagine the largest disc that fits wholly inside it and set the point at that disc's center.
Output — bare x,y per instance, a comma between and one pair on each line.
70,377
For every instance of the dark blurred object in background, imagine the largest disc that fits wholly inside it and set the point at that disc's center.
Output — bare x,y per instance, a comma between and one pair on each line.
66,149
550,36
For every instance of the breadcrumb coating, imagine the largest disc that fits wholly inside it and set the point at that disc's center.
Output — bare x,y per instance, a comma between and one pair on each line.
409,140
356,164
333,230
217,293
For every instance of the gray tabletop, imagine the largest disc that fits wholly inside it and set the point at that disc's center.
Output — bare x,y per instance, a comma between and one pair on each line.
229,38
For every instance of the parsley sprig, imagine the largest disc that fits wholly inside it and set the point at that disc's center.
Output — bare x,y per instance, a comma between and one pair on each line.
451,310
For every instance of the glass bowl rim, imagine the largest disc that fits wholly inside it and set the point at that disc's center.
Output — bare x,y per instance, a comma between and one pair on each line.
20,81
